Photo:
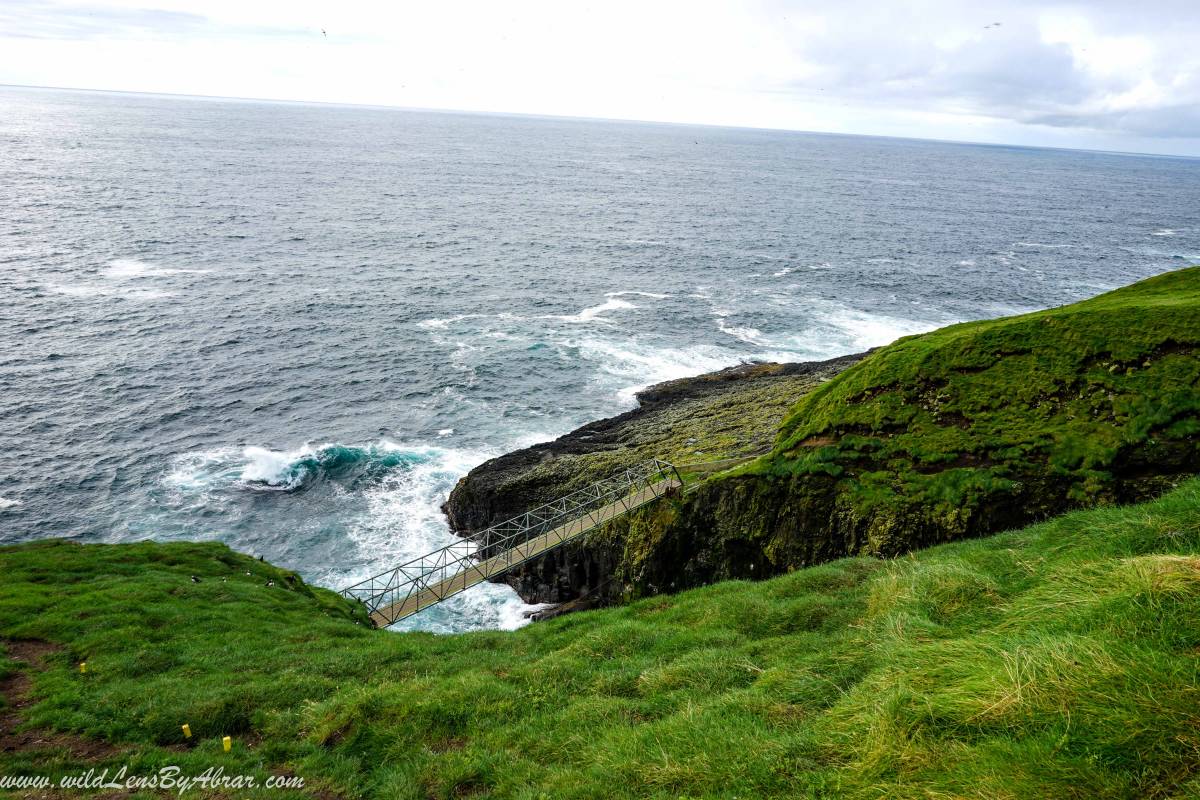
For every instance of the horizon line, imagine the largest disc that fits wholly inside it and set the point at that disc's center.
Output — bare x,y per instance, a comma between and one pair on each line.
633,120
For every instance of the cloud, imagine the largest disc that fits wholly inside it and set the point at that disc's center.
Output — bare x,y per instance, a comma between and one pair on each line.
38,19
1105,74
1177,121
1113,67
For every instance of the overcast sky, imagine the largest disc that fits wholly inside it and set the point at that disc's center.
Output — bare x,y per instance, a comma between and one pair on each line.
1106,74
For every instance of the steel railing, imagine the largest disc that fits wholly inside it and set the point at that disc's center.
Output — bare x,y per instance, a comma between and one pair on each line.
415,585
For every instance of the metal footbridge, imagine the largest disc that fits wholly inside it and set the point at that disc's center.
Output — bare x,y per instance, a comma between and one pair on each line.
418,584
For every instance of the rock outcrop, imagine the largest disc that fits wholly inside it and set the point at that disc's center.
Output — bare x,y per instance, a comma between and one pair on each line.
730,414
961,432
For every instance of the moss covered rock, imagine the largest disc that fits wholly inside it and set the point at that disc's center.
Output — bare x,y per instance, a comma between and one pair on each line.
698,422
963,431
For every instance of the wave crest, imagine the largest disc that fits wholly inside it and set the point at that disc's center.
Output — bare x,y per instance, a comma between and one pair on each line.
344,464
297,470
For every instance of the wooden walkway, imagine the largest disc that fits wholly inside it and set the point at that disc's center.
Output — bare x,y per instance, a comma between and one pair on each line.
531,548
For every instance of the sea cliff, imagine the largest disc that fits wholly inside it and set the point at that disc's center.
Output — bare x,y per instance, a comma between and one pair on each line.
713,419
964,431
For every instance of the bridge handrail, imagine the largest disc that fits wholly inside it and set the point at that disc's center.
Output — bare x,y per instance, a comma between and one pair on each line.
626,477
503,536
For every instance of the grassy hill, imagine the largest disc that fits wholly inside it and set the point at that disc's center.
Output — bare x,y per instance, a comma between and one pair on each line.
950,431
1060,660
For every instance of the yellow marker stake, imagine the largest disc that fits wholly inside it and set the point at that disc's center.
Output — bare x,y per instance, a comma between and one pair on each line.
228,743
83,666
187,731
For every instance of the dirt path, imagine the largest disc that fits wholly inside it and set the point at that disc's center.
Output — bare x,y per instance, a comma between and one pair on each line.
17,688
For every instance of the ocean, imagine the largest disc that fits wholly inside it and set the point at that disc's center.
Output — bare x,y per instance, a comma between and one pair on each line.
293,327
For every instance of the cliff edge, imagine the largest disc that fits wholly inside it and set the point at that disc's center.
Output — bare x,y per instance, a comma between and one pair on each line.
964,431
734,413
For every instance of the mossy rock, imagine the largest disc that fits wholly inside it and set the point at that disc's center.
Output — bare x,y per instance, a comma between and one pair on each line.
964,431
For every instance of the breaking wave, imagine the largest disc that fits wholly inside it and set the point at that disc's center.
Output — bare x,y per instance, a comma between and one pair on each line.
380,505
295,470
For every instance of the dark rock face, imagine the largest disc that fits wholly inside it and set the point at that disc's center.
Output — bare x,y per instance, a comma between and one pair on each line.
960,432
732,413
750,526
757,526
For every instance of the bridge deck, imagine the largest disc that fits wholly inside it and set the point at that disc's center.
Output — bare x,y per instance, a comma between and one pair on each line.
499,564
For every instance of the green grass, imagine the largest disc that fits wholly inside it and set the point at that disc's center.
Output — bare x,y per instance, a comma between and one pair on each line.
1006,420
1060,660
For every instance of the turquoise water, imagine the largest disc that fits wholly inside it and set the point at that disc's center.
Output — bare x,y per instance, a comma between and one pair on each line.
293,327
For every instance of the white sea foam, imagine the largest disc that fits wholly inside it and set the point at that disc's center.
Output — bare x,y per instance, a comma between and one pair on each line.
744,334
205,471
865,330
784,271
86,290
653,295
121,269
125,268
78,291
445,431
838,329
123,277
485,606
448,321
627,367
7,503
967,262
1165,232
198,470
257,467
1042,245
594,314
590,314
272,467
400,519
403,520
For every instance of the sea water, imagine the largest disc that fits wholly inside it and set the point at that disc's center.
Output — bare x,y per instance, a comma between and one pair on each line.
293,327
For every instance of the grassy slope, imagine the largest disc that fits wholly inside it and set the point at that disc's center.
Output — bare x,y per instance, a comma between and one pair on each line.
1055,661
948,417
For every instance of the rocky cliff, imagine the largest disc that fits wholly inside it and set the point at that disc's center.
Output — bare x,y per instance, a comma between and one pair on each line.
708,419
957,433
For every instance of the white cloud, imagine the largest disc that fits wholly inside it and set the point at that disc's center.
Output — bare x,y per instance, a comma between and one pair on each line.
1091,74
